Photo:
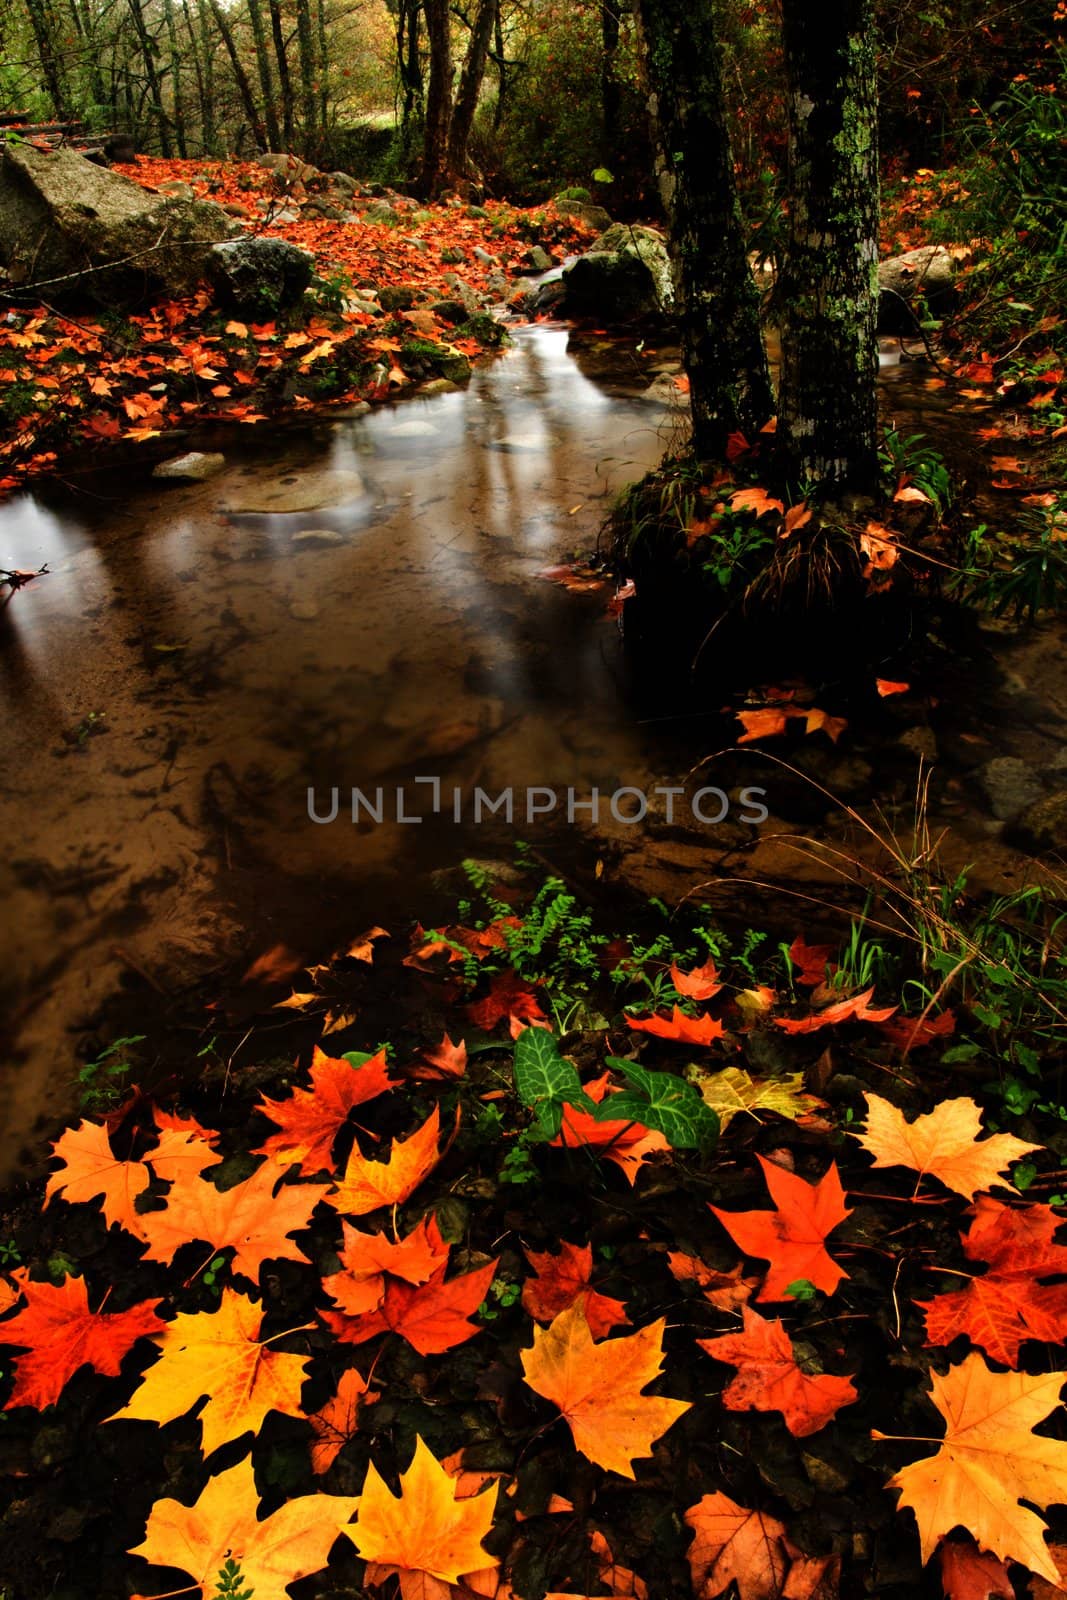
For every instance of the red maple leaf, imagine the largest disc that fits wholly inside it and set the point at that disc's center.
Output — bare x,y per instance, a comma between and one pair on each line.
679,1027
61,1334
310,1119
856,1008
1007,1304
564,1278
769,1379
508,997
432,1316
792,1238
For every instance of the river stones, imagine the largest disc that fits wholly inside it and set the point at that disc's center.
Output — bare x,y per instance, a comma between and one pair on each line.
193,467
284,494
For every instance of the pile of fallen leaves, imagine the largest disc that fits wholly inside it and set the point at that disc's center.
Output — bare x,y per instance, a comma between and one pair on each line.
320,1332
82,381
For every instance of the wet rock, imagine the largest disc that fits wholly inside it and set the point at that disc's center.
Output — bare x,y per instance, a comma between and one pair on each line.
317,536
920,741
439,386
423,359
929,272
452,256
415,428
484,256
96,236
626,276
308,489
381,211
323,210
194,467
1043,826
256,276
537,259
1011,786
397,296
450,311
583,211
174,189
287,166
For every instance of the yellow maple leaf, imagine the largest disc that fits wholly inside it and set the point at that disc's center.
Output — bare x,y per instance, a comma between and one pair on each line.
733,1090
598,1387
943,1143
988,1462
217,1354
429,1529
290,1544
366,1185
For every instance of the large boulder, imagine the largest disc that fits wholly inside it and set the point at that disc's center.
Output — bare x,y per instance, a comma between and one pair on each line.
85,234
257,276
577,204
928,274
625,277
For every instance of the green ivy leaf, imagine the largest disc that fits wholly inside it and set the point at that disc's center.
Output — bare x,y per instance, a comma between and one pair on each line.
662,1101
546,1081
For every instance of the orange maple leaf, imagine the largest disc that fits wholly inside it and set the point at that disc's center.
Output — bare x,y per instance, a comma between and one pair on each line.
988,1461
597,1388
335,1423
359,1285
750,1548
727,1291
183,1150
61,1334
508,997
432,1316
700,984
310,1119
362,949
942,1144
428,1530
769,1379
562,1280
448,1060
680,1028
968,1573
757,500
856,1008
250,1217
1007,1304
217,1356
91,1170
368,1185
291,1543
792,1238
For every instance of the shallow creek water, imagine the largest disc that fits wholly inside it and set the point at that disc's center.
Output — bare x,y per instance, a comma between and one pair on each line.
356,604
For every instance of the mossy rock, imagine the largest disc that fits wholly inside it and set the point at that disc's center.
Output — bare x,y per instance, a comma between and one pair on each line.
397,296
423,359
486,329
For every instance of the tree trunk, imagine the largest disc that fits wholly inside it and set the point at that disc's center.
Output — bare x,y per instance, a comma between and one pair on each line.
281,56
324,75
244,87
266,82
204,55
722,347
470,87
175,76
42,22
438,99
155,90
828,291
409,67
306,46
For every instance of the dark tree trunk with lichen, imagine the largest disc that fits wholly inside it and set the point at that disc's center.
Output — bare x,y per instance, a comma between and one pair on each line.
828,290
438,99
722,346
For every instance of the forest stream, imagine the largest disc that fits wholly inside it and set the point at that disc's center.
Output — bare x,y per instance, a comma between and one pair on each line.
359,603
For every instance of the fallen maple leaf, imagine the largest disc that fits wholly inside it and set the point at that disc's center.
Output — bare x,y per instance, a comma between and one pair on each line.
91,1171
733,1091
432,1316
598,1388
811,961
733,1545
1007,1304
183,1151
628,1144
886,687
366,1258
679,1028
61,1334
275,964
989,1461
769,1379
757,500
942,1144
911,1033
448,1060
508,997
310,1119
792,1238
855,1008
424,1530
362,949
292,1543
216,1355
968,1573
562,1280
335,1423
700,984
727,1291
368,1185
250,1217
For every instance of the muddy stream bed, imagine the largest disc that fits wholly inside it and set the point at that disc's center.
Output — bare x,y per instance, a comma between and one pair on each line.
358,604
